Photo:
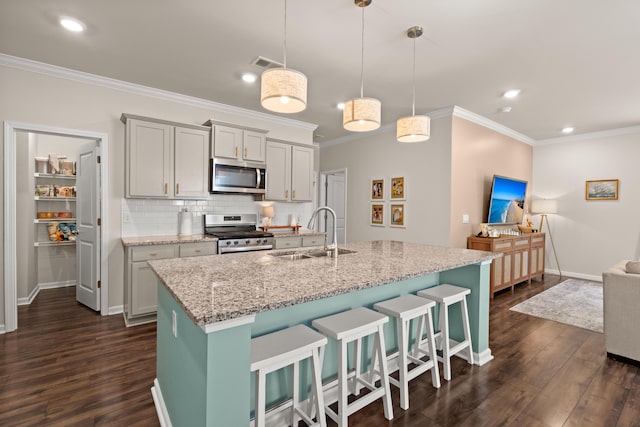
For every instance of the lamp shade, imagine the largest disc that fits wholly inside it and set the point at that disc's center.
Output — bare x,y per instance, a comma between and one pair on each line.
361,114
283,90
544,206
413,129
267,211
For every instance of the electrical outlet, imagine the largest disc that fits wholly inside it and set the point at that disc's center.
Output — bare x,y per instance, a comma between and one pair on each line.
465,219
126,218
174,324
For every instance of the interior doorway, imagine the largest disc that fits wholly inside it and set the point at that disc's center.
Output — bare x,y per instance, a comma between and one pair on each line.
333,193
14,135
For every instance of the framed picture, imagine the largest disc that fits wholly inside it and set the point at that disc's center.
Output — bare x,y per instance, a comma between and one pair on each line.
602,189
377,189
377,214
398,188
398,215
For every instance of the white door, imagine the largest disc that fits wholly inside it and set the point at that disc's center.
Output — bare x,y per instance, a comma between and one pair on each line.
335,199
87,220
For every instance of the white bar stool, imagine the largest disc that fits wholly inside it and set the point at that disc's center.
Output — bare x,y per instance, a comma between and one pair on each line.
283,348
405,308
353,325
447,295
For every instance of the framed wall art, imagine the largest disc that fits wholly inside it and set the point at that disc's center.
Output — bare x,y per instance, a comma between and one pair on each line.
602,189
377,189
377,214
398,188
398,215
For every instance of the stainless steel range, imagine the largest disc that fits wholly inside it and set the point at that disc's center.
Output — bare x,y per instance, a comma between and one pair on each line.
237,233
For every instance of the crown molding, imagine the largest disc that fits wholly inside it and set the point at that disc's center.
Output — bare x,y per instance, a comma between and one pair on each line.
490,124
591,135
81,76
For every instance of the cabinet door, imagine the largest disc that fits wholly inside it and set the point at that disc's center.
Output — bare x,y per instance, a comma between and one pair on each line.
278,171
227,142
301,174
149,160
144,289
287,242
253,146
191,163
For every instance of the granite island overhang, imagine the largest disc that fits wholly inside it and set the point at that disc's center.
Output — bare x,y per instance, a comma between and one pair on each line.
209,308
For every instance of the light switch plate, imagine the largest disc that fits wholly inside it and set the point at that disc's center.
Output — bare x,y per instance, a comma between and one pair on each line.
465,219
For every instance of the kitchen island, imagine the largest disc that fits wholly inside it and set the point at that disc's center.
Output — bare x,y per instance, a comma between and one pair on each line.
210,307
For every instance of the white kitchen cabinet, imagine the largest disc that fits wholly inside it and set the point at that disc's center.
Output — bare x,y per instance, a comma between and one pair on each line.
238,144
289,172
141,282
284,242
165,160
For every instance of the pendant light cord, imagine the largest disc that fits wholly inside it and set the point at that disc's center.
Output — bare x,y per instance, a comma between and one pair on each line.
284,48
362,59
413,105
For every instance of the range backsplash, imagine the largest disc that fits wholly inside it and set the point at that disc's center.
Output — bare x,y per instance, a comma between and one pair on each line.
152,217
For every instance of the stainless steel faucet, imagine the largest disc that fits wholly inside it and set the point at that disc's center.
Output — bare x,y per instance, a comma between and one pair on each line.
312,221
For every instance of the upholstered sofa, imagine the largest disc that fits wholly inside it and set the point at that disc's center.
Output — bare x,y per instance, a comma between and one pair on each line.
622,312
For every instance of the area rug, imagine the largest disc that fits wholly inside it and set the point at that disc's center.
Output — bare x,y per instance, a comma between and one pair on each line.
573,302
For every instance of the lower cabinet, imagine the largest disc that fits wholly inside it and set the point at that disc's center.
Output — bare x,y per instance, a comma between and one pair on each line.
284,242
141,283
522,258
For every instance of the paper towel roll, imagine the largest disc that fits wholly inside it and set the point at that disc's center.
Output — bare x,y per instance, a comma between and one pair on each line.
186,222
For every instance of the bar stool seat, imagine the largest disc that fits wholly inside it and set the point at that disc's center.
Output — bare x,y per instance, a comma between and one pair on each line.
352,326
289,346
446,295
406,308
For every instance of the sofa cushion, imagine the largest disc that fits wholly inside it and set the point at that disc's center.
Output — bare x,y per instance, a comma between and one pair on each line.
633,267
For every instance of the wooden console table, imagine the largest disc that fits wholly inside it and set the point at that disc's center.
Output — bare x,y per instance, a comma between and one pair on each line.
523,258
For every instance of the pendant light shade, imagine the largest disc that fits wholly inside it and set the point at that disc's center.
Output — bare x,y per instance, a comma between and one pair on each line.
413,128
361,114
283,90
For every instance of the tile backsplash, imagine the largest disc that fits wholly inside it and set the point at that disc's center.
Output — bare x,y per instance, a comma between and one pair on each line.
153,217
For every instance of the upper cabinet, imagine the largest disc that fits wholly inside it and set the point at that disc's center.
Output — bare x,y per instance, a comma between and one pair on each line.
289,172
239,144
165,160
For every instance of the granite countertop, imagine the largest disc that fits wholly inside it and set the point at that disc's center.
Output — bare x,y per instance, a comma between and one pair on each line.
166,240
221,287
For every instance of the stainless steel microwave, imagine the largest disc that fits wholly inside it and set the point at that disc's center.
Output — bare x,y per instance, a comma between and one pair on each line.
230,176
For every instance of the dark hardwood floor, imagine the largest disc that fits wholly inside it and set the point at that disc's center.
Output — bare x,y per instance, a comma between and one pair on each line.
67,366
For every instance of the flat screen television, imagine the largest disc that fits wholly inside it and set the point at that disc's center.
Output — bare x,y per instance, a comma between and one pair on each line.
506,204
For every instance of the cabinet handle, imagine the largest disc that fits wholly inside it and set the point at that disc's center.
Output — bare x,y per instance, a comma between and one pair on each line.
198,251
293,194
166,188
153,254
286,194
177,188
245,151
236,151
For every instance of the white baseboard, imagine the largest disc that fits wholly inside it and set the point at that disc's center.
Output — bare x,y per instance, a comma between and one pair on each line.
3,330
40,286
571,274
116,309
158,401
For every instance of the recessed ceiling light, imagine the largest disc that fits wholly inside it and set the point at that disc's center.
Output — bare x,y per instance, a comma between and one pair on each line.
72,24
568,129
512,93
340,106
249,77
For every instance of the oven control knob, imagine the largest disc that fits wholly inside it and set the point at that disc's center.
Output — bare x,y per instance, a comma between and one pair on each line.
264,240
228,242
235,242
247,241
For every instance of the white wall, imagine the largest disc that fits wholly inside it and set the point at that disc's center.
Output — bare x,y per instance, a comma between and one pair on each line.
30,97
426,167
590,236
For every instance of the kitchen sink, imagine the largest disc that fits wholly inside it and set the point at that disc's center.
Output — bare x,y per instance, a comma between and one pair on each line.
294,256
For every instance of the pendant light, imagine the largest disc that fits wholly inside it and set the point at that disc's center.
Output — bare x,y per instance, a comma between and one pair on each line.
413,128
361,114
283,90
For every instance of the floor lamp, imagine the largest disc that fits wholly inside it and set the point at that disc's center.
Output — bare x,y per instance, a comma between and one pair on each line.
544,207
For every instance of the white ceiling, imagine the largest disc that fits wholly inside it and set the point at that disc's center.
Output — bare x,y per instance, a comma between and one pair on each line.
576,61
